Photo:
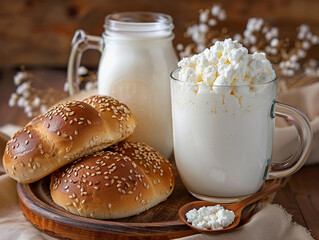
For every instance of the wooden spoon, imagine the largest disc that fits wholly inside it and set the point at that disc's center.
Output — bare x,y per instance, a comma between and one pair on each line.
236,207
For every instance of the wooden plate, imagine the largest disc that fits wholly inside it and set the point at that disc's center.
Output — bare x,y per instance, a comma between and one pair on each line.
160,222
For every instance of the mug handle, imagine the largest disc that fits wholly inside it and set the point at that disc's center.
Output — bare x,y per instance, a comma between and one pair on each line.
302,125
81,41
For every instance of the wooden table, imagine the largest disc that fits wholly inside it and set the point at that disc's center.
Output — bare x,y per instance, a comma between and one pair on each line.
300,197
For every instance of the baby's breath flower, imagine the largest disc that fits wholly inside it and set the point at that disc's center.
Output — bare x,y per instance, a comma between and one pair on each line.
19,77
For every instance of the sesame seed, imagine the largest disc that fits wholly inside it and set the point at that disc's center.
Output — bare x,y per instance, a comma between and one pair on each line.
109,205
88,121
68,204
58,133
95,187
76,132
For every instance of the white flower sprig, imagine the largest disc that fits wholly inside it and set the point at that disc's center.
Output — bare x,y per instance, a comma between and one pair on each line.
201,33
87,79
33,100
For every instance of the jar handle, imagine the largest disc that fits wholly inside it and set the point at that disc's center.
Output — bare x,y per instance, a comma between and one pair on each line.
302,125
81,41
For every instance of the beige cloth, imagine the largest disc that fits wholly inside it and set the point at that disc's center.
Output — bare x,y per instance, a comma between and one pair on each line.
285,139
271,223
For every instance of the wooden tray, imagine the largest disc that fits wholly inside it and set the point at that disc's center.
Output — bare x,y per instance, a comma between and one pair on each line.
160,222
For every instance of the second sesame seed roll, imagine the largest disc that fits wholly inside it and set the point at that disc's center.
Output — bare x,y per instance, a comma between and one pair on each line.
124,180
64,133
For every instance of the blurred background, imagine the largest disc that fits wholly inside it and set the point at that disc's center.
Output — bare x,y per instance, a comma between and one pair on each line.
37,33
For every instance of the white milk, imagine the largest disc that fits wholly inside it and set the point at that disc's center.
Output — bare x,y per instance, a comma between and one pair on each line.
134,68
221,144
137,73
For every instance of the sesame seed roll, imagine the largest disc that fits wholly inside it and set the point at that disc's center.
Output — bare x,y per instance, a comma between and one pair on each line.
64,133
123,180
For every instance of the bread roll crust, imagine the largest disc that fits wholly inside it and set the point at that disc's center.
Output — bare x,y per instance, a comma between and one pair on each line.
64,133
124,180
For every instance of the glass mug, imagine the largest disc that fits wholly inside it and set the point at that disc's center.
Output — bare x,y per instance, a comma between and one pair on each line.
223,138
137,58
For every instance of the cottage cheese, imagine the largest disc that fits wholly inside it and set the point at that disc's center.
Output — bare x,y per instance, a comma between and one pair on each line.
211,217
226,63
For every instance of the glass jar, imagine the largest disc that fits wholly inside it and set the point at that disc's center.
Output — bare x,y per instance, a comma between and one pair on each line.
137,58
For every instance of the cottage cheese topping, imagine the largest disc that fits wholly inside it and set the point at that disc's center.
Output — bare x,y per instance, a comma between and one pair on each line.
211,217
226,63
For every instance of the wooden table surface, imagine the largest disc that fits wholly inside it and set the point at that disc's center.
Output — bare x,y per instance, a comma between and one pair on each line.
300,197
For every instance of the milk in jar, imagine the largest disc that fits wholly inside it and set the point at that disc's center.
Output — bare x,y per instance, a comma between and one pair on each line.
134,68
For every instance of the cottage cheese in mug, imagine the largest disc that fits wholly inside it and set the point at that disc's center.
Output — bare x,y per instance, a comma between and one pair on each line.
221,118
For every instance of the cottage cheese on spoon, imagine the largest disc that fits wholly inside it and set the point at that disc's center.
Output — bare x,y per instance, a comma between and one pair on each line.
211,217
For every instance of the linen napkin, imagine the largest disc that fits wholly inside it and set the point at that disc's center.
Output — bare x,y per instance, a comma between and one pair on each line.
271,223
305,98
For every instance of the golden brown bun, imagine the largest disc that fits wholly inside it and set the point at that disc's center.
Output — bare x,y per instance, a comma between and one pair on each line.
124,180
64,133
